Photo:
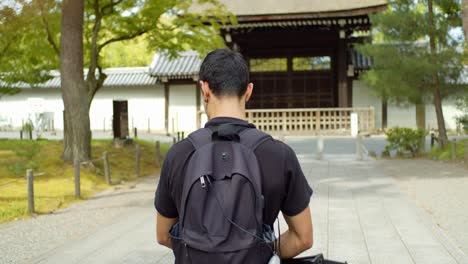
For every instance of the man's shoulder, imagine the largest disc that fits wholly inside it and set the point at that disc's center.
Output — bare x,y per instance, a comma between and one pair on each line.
275,147
179,149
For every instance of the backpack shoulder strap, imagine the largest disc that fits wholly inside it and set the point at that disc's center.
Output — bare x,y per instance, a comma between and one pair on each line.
200,137
253,138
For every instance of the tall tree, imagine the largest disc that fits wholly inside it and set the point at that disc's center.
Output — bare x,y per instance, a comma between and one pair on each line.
417,59
74,92
168,27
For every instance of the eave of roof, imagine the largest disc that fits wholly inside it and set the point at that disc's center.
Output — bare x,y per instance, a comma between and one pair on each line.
116,77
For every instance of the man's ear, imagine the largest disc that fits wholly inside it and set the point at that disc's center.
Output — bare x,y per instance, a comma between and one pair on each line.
206,92
248,92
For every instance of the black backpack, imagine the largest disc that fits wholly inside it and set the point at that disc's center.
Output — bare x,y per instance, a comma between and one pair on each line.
221,211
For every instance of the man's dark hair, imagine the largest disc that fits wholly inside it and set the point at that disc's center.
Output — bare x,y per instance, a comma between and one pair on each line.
226,72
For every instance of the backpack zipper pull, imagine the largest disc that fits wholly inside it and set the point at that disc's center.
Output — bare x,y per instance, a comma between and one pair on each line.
202,181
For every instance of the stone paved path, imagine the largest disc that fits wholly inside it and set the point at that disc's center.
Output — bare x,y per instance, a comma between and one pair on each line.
359,213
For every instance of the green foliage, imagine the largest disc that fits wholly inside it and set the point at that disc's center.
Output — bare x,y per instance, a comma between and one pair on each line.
404,140
130,53
402,60
438,153
25,53
28,126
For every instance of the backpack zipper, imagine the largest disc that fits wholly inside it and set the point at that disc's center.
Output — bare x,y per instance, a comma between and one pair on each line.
202,181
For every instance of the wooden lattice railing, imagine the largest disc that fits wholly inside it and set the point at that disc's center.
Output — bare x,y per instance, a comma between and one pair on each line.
311,121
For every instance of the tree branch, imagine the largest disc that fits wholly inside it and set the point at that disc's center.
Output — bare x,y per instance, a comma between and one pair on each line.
5,49
50,39
107,9
94,47
91,76
122,38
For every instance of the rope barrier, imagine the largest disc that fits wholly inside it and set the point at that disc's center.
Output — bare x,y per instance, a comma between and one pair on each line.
15,181
11,182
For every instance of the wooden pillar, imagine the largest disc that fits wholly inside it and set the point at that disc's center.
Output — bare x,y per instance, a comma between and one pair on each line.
166,107
197,103
350,92
342,67
384,114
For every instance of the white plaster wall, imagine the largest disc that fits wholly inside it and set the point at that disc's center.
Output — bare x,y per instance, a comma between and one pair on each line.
402,116
182,108
18,109
144,104
362,97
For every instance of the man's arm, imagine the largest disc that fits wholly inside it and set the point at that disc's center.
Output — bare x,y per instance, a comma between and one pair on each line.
163,225
299,236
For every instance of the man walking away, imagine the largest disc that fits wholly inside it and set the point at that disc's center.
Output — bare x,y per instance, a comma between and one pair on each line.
222,188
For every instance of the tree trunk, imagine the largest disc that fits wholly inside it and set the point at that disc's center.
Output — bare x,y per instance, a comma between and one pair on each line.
421,124
443,140
464,4
67,138
421,116
74,92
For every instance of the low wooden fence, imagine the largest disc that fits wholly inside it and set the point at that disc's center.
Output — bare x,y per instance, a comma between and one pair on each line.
310,121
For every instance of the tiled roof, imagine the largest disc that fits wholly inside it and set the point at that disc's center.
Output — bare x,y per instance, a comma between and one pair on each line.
116,77
186,66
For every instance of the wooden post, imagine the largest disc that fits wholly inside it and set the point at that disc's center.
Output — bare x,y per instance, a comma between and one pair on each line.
359,150
135,132
77,178
158,154
320,147
183,135
174,140
178,136
454,149
137,160
105,159
30,134
30,180
283,117
21,134
166,107
318,121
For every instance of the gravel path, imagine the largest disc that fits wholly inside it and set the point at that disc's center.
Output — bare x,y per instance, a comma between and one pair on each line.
31,240
440,188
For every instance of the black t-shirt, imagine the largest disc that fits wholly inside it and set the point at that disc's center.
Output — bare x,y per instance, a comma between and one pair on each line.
283,183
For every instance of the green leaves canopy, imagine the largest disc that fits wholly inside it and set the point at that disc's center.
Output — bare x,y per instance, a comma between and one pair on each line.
25,54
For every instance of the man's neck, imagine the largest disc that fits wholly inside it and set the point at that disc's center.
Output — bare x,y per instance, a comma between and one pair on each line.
227,108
